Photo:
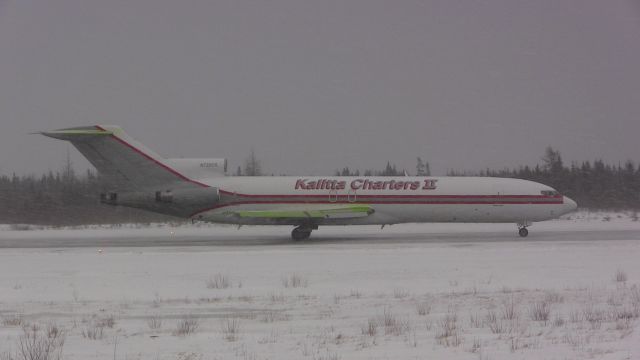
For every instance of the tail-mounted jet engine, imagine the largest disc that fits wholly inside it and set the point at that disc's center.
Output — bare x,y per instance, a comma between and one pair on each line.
177,202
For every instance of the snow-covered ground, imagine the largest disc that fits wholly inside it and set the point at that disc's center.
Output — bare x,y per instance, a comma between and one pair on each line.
429,291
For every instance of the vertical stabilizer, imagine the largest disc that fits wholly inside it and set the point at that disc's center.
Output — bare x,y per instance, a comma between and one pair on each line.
121,159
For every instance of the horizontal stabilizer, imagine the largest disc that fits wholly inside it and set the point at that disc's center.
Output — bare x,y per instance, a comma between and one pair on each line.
76,133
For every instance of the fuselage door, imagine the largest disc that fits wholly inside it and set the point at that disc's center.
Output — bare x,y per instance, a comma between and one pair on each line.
352,196
333,196
498,193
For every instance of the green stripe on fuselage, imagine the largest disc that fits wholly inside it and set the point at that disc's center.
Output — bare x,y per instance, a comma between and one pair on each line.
81,132
313,214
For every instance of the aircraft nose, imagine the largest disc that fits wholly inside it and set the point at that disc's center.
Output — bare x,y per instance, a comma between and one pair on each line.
569,204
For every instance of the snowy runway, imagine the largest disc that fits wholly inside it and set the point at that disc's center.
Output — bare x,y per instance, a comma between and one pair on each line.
397,235
410,291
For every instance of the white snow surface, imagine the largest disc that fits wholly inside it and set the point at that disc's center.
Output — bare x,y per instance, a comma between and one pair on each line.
415,291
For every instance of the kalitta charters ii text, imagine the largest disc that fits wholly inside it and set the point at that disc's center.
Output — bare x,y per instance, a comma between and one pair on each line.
365,184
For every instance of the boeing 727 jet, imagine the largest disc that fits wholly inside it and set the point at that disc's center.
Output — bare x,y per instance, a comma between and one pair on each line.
199,189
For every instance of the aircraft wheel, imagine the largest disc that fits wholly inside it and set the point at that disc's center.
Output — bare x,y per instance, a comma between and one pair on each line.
300,233
523,232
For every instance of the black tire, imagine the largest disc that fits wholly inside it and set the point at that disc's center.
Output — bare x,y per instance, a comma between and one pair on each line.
523,232
298,234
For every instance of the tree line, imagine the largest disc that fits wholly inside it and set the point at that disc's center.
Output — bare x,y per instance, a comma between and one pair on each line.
422,169
594,185
67,198
63,198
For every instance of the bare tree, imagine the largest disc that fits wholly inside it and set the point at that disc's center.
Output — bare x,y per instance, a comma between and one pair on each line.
252,165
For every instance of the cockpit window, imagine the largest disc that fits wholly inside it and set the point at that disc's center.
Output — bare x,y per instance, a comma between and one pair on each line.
549,193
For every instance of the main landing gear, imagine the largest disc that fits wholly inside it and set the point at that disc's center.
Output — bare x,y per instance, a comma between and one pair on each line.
523,232
302,232
522,229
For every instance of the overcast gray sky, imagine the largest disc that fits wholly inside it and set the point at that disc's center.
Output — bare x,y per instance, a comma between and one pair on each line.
317,85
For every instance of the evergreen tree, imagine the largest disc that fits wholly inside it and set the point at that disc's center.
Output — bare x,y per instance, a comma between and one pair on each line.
390,170
420,168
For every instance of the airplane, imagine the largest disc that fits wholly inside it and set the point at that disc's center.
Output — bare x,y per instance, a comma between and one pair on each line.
199,189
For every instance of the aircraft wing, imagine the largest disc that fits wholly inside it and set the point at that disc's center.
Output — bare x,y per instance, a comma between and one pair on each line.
307,212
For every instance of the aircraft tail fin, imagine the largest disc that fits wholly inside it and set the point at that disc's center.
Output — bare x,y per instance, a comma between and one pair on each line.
123,160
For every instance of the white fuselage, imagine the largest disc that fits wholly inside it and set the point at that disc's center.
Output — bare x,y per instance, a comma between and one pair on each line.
198,189
394,199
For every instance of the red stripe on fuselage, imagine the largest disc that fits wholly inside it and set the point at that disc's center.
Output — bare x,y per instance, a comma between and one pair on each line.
326,202
395,196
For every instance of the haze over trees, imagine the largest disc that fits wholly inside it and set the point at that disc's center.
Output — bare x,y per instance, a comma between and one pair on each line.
389,170
67,198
